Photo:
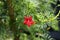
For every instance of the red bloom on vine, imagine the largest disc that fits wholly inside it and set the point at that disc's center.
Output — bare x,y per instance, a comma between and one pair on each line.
28,21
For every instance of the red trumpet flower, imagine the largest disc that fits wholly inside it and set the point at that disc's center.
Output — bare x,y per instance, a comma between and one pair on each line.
28,21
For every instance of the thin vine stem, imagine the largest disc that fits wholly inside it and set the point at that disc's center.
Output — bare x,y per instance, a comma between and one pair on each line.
51,19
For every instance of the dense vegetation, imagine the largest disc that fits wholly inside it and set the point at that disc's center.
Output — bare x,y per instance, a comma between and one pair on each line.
26,19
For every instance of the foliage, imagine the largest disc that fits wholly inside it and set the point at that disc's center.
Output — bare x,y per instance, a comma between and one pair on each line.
41,13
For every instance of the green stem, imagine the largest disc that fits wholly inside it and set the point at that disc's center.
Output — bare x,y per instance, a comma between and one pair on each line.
32,35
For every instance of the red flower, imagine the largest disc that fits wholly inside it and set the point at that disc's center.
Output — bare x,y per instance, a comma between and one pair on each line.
28,21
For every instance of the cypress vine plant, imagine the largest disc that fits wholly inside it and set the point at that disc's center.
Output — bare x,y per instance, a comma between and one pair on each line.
27,19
